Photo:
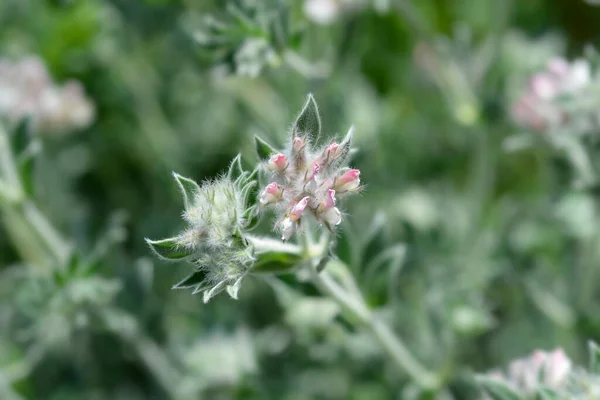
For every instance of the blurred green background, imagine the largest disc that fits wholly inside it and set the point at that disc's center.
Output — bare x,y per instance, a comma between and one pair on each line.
500,253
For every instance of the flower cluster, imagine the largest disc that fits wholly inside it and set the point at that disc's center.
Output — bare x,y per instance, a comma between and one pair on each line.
26,90
305,179
216,215
538,107
541,369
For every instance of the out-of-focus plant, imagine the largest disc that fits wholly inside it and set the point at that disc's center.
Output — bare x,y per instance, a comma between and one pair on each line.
546,375
253,35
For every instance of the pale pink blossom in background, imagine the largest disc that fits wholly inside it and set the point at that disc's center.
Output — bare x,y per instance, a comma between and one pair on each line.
27,91
537,107
541,368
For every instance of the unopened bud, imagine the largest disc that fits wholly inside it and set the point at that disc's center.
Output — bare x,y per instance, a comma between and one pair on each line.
348,182
278,162
271,194
298,144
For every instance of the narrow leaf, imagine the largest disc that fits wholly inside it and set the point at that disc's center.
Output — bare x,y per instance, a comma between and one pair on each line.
188,188
235,168
235,288
275,262
168,249
263,149
594,350
20,137
345,147
26,170
308,121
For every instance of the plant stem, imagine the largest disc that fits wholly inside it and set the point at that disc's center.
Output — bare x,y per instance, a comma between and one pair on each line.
23,217
387,339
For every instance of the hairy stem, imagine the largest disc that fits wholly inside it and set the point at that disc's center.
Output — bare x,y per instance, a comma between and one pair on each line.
354,305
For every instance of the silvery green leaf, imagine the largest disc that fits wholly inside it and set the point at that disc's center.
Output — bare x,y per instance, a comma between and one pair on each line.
345,147
218,288
263,149
235,168
250,193
234,289
251,217
168,249
498,390
20,137
308,121
275,262
188,188
547,394
594,350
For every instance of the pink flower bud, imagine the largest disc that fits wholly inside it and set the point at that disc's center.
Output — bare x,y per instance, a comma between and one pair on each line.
271,194
298,209
332,150
278,162
348,182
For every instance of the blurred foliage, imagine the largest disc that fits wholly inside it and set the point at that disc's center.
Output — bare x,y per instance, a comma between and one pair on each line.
474,254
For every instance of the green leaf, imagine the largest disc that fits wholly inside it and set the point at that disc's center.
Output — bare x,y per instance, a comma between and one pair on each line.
251,217
193,280
345,147
168,249
250,193
188,188
26,168
497,389
21,136
594,357
25,148
215,290
263,149
235,168
73,263
308,121
275,262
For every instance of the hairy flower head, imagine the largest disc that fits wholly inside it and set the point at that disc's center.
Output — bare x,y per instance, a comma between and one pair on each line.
306,179
216,214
